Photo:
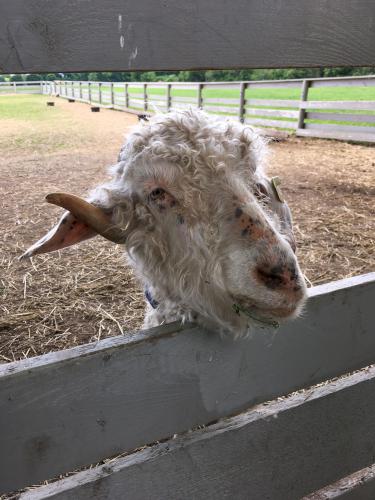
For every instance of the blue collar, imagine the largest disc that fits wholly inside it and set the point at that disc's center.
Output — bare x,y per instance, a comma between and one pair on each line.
154,303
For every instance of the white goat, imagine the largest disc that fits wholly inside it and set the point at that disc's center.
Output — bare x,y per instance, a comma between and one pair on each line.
204,228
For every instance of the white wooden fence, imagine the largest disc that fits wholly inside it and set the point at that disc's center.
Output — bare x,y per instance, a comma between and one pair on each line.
335,119
134,393
20,87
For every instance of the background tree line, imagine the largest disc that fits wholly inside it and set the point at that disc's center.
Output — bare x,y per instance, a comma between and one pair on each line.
196,76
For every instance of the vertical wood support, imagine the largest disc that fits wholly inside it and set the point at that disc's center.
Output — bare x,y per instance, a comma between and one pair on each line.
65,90
15,87
100,92
73,89
80,89
126,96
304,95
241,111
112,95
89,91
168,102
200,99
145,104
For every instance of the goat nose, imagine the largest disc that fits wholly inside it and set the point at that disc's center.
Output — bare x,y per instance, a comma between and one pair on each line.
278,277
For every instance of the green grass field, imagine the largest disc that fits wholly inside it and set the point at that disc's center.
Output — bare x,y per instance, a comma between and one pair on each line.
29,108
24,107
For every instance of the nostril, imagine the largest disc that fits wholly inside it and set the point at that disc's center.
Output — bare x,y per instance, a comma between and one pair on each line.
272,278
279,276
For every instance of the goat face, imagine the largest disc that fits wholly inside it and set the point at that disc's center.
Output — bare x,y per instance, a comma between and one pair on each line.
203,226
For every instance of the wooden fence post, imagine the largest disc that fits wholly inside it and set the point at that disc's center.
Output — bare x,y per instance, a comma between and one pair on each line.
15,87
73,89
89,92
302,111
100,92
126,96
112,95
168,103
200,100
241,111
80,89
145,105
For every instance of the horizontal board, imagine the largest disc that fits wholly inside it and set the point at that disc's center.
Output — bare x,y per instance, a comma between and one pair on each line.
221,85
282,103
339,128
184,99
365,105
280,450
280,113
137,103
342,136
221,109
71,35
343,117
183,86
220,100
155,97
285,84
181,105
271,123
70,408
357,486
367,81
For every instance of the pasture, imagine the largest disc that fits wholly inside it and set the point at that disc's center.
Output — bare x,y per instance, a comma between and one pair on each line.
86,293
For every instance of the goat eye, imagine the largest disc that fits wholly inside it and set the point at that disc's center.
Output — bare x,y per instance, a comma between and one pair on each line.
261,192
157,193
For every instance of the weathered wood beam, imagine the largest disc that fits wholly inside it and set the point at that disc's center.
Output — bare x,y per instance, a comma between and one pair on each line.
122,35
71,408
281,450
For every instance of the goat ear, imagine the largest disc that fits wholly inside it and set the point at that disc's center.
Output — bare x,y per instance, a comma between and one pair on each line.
67,232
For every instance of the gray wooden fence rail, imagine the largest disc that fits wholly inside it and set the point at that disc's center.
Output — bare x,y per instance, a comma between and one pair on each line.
307,116
72,35
65,410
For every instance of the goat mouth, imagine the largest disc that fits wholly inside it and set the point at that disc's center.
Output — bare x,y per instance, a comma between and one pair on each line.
262,314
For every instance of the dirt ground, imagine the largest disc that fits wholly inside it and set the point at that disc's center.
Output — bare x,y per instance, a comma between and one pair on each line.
86,293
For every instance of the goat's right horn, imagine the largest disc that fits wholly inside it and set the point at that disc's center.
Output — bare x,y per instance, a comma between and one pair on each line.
89,214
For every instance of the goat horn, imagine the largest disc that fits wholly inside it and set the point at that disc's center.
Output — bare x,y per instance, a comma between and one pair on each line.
89,214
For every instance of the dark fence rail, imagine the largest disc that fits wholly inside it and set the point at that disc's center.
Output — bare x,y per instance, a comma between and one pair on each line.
336,108
72,35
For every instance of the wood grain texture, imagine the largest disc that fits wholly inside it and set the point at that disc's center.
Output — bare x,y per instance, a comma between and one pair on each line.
280,450
222,109
357,486
327,127
279,113
75,35
341,117
282,103
70,408
342,136
263,122
348,105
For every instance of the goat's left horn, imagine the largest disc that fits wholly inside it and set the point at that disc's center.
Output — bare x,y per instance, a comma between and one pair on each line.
89,214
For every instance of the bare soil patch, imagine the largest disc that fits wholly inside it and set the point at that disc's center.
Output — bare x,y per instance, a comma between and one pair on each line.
86,293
